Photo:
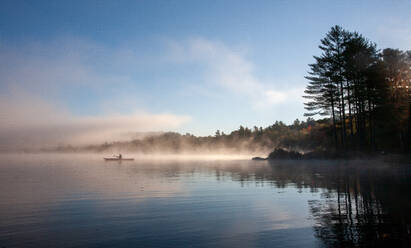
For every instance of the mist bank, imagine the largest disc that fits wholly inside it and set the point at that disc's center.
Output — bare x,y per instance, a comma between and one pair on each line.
301,140
309,139
301,136
32,123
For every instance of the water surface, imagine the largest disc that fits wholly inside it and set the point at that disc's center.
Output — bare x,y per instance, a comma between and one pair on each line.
83,201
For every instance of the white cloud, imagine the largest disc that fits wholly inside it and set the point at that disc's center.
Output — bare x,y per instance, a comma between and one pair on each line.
35,78
275,96
57,73
27,121
231,70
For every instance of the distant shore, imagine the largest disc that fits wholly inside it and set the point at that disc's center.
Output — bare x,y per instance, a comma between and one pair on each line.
283,154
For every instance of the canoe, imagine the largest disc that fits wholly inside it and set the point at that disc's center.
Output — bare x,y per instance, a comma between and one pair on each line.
118,159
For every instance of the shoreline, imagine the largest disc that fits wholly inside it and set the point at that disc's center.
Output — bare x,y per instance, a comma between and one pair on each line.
282,154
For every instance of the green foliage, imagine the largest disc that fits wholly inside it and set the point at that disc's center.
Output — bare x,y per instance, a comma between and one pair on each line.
365,92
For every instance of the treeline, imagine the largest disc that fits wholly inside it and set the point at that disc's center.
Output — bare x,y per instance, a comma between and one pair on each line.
300,135
365,92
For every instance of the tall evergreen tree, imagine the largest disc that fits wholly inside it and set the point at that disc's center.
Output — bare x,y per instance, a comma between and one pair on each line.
325,88
352,79
360,56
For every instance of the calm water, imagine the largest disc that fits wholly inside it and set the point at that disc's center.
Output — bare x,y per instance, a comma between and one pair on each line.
82,201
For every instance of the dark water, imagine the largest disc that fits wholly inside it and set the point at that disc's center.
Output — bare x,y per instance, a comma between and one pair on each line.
82,201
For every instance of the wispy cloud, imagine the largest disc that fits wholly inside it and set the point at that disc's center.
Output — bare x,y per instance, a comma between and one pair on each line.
37,79
76,91
231,70
27,121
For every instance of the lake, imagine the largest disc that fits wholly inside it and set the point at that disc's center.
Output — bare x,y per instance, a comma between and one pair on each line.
83,201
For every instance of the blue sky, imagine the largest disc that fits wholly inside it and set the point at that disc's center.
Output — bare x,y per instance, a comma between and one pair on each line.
202,65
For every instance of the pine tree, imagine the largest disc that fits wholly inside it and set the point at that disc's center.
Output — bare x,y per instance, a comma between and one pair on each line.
325,89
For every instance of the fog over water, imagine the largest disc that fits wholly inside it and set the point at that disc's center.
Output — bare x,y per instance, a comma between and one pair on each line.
72,200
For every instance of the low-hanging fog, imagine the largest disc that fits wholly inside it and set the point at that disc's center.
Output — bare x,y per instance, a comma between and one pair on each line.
27,122
30,123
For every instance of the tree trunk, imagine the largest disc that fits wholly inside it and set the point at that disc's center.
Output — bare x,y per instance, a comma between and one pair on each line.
370,119
343,114
370,124
334,123
350,110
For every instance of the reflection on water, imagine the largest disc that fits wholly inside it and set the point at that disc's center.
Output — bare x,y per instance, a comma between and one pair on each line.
82,201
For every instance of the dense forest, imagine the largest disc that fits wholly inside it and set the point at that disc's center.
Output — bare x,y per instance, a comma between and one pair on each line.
364,91
301,135
361,93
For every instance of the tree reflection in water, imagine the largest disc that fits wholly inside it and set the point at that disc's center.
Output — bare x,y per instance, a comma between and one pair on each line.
364,203
366,206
